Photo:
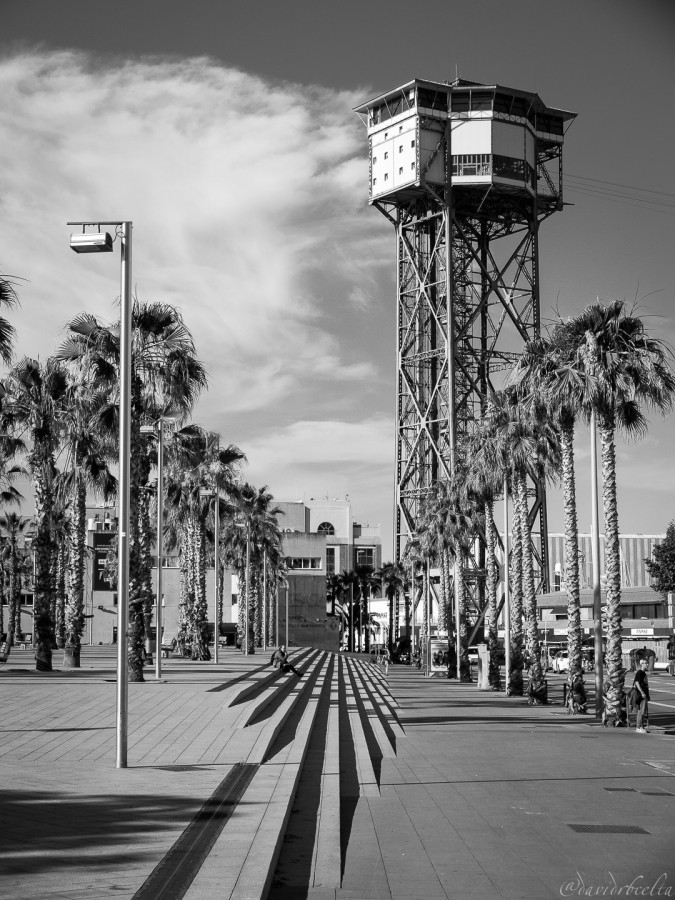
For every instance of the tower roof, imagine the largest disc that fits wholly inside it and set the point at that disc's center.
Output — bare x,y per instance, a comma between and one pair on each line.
459,86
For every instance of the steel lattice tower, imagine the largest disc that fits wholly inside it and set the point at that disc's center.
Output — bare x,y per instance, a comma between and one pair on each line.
465,172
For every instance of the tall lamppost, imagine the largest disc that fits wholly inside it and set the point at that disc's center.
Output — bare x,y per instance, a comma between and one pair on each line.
216,541
101,242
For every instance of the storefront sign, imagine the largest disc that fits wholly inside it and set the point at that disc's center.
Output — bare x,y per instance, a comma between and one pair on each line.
645,631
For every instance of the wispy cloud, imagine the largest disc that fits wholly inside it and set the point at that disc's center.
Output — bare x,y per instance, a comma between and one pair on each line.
329,458
240,192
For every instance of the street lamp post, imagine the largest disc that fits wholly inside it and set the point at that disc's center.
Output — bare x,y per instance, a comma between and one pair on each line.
98,242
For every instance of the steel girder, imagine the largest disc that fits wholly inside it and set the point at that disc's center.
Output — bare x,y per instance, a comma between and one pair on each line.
467,301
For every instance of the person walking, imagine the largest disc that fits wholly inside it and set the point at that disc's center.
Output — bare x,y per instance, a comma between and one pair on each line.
386,657
641,684
280,661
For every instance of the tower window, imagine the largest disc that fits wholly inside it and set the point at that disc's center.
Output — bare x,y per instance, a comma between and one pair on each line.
386,177
400,148
412,165
400,171
386,156
386,135
374,159
412,143
325,528
374,180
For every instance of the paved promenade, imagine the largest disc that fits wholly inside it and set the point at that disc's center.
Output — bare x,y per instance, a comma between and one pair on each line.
343,784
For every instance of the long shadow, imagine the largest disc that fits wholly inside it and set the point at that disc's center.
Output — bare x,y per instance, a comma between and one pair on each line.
349,778
102,832
292,876
374,749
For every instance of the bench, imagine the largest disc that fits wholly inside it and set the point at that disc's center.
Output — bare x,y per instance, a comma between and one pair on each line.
4,652
167,647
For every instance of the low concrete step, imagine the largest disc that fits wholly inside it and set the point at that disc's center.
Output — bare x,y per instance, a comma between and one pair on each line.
277,684
368,784
267,731
385,704
258,679
364,686
327,859
241,864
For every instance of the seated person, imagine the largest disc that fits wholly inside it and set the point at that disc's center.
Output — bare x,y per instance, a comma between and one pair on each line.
280,661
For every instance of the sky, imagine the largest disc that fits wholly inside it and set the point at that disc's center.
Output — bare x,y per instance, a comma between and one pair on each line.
226,132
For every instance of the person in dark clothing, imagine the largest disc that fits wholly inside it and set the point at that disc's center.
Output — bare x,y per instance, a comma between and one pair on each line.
280,661
641,684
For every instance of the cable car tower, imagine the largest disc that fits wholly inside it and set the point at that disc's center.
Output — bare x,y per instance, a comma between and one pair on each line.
465,172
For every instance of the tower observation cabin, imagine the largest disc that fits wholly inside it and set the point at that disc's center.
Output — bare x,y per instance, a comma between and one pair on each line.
465,172
425,135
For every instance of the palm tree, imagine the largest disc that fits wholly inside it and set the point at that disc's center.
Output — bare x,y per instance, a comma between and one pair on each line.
35,399
8,298
252,508
547,373
626,369
14,527
86,466
166,375
487,476
366,583
348,581
534,452
197,466
392,577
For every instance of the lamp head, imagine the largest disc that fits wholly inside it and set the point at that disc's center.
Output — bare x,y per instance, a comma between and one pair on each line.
91,242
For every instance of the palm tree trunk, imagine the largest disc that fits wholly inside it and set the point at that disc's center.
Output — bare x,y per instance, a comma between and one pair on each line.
515,685
530,595
443,602
182,636
200,649
257,605
43,626
75,600
136,624
613,655
494,674
571,553
464,663
241,605
61,577
14,593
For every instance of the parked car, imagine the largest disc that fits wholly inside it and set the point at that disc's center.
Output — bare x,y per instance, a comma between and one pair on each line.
561,663
549,653
473,655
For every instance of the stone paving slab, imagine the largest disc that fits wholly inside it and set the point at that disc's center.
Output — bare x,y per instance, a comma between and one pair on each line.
74,825
479,800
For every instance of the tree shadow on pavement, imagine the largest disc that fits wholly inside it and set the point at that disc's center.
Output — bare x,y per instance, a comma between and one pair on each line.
49,832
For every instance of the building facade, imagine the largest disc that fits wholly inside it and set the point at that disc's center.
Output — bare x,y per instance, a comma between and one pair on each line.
319,538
